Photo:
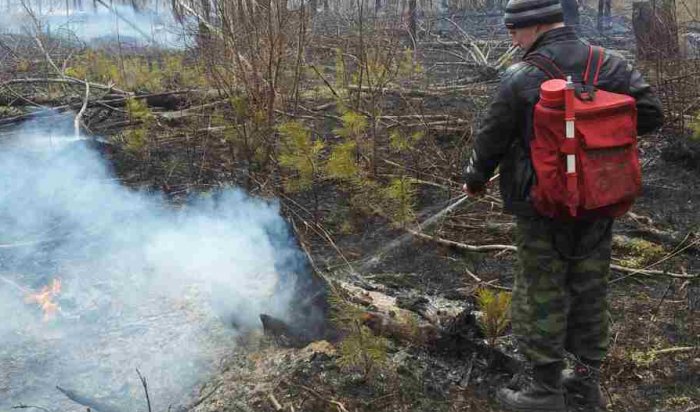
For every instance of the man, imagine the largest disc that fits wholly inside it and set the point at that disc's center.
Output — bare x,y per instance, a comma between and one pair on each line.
559,300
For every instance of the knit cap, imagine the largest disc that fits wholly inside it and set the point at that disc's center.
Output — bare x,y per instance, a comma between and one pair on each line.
524,13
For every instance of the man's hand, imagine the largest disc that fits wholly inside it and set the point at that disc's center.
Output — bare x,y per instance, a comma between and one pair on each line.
474,190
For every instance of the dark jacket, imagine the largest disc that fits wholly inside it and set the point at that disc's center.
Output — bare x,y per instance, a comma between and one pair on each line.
504,136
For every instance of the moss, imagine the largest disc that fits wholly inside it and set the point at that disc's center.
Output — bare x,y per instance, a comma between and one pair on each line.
696,129
639,253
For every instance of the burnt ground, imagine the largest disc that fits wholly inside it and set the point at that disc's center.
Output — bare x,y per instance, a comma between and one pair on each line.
654,361
650,314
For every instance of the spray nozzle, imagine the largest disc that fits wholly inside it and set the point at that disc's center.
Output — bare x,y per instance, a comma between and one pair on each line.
569,82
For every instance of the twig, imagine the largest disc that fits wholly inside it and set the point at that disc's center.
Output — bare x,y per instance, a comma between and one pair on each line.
340,406
37,28
464,382
15,285
679,349
325,81
275,403
481,282
648,272
145,388
661,301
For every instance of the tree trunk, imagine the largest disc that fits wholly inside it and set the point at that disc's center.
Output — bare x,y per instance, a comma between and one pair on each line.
603,18
412,18
655,29
571,15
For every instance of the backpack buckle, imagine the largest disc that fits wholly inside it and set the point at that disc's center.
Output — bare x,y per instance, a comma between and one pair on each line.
585,92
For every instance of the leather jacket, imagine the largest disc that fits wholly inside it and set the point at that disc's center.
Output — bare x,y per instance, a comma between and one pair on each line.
503,140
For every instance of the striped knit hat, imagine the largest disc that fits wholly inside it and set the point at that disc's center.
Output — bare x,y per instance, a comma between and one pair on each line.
524,13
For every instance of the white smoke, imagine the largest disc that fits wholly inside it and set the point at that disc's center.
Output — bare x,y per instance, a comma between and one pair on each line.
145,284
151,24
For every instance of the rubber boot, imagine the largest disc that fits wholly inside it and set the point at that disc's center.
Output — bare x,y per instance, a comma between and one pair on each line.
544,393
582,384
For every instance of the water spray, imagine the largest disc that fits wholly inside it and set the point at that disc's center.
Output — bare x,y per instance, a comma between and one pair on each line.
453,204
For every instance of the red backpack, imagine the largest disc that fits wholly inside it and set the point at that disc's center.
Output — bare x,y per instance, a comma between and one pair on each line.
595,172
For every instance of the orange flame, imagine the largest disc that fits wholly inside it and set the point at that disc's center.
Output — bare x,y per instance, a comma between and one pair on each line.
44,299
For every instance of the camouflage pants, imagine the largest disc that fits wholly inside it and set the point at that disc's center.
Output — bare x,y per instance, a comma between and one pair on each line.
560,295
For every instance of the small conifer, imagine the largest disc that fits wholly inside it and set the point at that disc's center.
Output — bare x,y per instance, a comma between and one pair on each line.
494,308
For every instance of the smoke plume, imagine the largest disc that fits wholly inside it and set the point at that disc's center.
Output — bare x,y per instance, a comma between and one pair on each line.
143,284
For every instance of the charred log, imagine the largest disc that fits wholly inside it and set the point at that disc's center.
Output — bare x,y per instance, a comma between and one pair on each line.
284,334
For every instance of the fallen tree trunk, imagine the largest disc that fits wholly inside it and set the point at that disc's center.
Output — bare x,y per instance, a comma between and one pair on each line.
454,332
64,80
169,100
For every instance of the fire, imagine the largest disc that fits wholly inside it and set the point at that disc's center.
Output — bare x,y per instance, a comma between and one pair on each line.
44,299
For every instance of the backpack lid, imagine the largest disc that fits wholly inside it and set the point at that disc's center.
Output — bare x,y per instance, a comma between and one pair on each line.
552,93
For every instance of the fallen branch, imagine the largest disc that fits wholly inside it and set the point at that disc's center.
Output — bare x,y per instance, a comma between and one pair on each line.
464,246
433,92
76,122
680,349
648,272
190,111
63,80
434,124
488,248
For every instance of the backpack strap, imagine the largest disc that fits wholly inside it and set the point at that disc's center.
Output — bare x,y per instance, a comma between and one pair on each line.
545,64
595,62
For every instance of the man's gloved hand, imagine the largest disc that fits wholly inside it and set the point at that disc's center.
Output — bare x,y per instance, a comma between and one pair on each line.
474,190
